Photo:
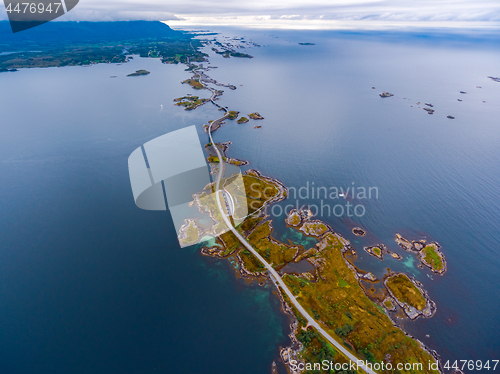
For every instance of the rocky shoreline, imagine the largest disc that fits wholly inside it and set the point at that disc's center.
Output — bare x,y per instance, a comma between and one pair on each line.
297,218
376,251
301,220
412,312
358,231
223,148
418,247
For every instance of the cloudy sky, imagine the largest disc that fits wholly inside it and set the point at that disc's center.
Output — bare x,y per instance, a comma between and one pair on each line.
297,13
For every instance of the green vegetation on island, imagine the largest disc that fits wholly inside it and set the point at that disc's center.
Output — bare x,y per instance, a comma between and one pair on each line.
255,115
190,102
138,73
376,251
432,257
331,294
403,289
195,83
233,114
242,120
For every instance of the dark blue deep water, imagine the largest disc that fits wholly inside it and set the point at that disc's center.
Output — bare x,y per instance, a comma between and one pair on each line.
91,284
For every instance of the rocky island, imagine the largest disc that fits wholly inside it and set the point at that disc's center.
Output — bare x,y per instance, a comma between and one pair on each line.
386,94
233,114
255,115
139,73
432,257
358,231
429,255
190,102
376,251
195,83
410,296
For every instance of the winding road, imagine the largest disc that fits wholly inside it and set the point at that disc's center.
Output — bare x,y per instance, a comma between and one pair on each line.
273,273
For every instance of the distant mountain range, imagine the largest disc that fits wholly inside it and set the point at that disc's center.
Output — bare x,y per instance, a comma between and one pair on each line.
60,33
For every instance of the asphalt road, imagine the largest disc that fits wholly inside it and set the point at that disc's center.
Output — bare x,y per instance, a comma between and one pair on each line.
273,273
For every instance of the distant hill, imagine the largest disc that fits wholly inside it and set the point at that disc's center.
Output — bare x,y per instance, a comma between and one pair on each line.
85,43
60,33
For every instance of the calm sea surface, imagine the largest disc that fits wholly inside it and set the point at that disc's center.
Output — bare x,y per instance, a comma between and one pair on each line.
91,284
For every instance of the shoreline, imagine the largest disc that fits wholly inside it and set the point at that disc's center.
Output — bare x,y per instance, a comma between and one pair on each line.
309,227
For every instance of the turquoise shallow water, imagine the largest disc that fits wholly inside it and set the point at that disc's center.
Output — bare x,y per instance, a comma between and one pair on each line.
90,283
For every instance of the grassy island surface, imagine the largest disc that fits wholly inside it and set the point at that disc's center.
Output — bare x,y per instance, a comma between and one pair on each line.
331,294
255,115
233,114
405,291
195,83
243,120
430,255
433,257
190,102
376,251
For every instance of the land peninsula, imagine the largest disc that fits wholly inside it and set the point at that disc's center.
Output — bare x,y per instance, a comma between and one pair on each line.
87,43
341,314
331,292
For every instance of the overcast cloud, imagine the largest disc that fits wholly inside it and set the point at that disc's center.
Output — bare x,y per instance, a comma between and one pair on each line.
290,12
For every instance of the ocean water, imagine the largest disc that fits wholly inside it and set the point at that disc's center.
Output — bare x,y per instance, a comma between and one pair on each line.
90,283
437,178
